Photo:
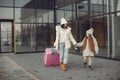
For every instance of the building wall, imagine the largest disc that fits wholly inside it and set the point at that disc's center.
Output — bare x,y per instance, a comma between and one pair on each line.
36,21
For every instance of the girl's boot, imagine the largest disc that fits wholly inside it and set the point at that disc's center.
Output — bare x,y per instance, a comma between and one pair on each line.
90,67
85,63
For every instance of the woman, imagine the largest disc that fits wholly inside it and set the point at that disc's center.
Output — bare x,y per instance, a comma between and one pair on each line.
63,42
89,46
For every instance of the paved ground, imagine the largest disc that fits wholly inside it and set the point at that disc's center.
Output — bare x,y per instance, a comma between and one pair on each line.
31,67
10,70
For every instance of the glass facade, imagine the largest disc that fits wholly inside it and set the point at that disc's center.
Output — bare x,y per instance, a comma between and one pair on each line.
6,37
35,22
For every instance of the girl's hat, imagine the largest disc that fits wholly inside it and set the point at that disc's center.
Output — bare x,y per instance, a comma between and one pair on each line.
90,31
63,21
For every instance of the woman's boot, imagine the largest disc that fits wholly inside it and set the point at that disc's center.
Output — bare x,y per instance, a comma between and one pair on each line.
61,65
64,67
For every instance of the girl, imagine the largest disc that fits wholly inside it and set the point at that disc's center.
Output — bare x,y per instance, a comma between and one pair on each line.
89,46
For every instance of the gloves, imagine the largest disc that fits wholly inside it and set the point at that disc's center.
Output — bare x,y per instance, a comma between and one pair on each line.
75,46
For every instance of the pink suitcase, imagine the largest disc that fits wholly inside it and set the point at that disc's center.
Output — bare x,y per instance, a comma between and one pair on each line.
51,57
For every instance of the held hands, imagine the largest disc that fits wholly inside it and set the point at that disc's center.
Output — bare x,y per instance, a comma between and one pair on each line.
76,46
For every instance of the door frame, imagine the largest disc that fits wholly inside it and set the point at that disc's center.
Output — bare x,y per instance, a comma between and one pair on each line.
13,33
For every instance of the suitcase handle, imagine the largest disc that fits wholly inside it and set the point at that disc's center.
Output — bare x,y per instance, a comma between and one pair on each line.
53,51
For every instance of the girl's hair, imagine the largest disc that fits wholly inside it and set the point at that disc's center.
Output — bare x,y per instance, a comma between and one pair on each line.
91,43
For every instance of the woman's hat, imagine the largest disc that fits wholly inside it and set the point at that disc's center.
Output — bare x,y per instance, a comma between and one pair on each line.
63,21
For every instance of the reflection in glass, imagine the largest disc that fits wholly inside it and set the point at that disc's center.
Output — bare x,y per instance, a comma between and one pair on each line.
60,14
68,12
82,9
44,40
118,7
18,15
27,15
6,37
21,3
51,16
25,37
6,3
45,18
4,13
99,6
100,32
39,14
116,37
74,11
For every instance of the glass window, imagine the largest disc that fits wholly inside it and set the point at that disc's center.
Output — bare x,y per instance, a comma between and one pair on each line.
52,34
115,37
118,7
68,7
82,9
22,3
6,3
100,25
18,14
39,15
45,17
60,14
99,6
68,15
24,15
60,3
114,5
25,38
96,1
40,20
18,36
4,13
51,16
6,36
44,40
39,32
42,15
68,12
74,11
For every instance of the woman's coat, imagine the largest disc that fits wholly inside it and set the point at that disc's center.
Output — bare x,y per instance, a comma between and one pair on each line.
66,35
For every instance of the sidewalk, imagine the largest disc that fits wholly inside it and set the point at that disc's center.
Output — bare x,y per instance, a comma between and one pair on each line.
31,67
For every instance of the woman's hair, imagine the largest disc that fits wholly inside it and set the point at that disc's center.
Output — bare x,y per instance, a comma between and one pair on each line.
63,26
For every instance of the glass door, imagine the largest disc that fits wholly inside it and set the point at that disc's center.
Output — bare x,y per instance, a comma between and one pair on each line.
6,38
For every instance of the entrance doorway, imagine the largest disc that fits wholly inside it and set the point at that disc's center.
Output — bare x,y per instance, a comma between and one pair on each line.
6,35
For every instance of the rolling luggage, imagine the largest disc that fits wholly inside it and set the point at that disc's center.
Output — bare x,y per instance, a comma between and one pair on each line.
51,57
